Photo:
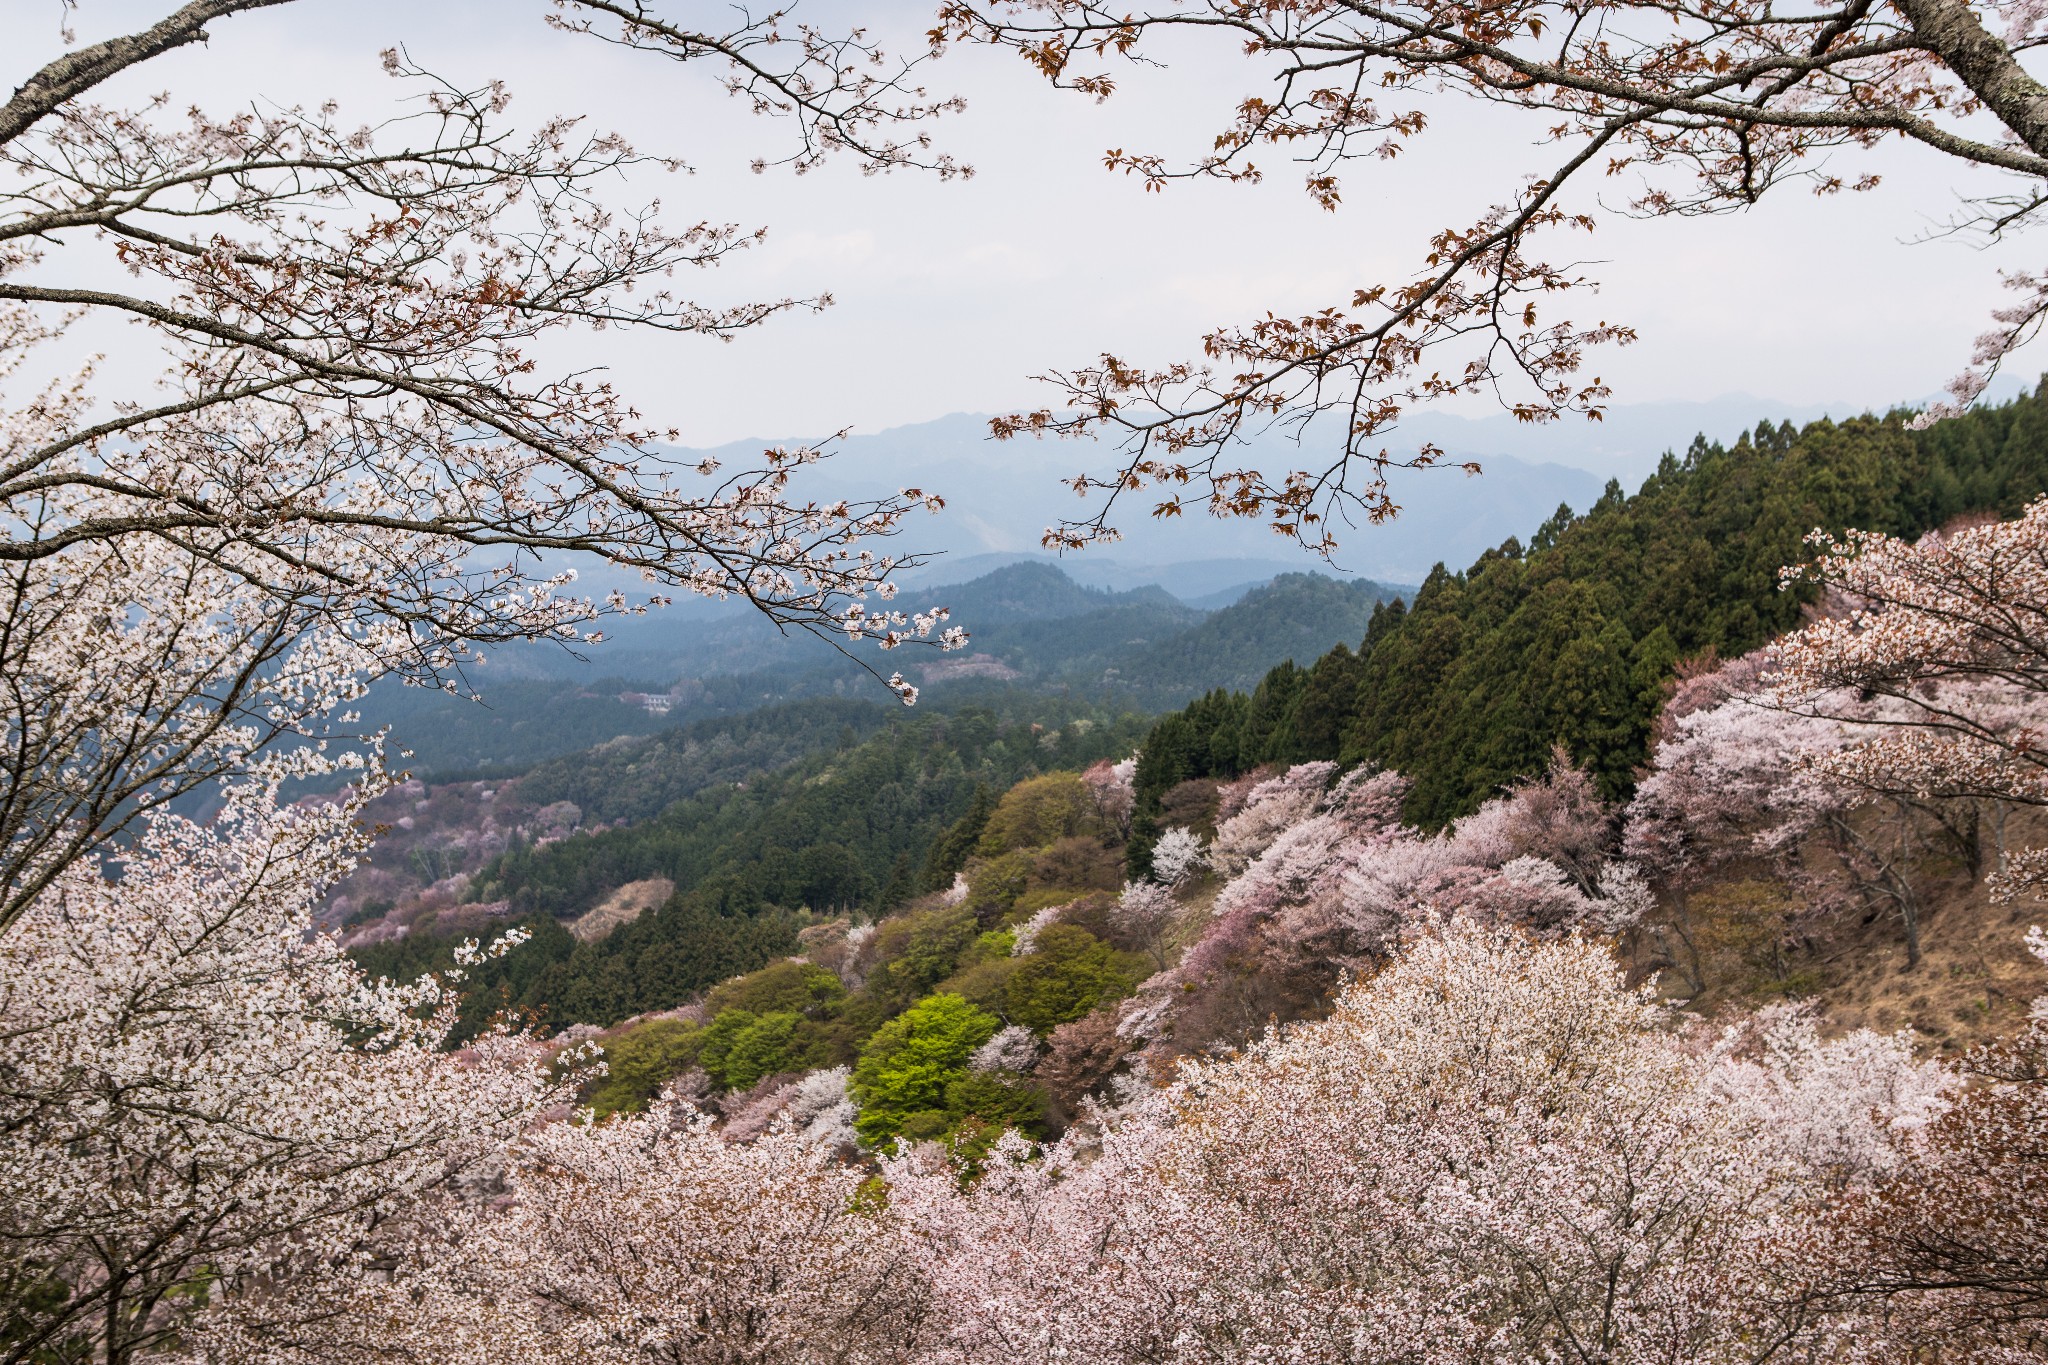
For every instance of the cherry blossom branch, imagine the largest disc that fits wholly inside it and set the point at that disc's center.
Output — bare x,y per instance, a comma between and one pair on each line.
1711,105
356,466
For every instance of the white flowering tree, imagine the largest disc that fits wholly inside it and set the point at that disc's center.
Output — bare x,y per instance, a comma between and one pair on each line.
1492,1152
1179,855
644,1239
355,460
1950,635
201,1100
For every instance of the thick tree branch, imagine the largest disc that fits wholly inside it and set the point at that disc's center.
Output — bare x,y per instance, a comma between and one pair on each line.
1952,31
74,73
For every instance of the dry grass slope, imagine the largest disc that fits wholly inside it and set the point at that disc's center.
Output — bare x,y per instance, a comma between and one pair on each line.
623,906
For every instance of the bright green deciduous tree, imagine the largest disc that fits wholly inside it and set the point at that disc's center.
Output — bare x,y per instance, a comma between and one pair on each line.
1034,813
791,984
906,1067
1067,973
740,1047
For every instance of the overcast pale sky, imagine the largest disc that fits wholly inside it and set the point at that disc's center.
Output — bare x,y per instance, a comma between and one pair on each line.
949,296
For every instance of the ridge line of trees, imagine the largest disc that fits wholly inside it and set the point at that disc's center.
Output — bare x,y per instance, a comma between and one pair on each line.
1572,638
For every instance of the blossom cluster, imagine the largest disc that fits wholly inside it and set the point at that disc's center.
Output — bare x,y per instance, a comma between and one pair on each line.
1948,638
202,1088
1322,877
1494,1151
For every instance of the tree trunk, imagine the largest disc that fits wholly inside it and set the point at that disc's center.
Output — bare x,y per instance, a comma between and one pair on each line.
1680,923
1879,878
1903,892
1999,811
1951,30
1909,915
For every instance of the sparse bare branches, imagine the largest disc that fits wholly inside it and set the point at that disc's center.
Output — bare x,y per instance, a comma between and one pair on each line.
841,91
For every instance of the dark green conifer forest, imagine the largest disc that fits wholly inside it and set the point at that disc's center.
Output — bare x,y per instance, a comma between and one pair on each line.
857,830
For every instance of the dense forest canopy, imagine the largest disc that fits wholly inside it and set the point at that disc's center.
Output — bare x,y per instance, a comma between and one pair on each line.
847,831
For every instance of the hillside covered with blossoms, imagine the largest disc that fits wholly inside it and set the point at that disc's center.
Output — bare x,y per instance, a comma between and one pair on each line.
975,1038
496,871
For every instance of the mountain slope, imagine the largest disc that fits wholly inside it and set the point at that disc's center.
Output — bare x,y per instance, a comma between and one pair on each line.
1571,640
1034,628
1296,616
847,829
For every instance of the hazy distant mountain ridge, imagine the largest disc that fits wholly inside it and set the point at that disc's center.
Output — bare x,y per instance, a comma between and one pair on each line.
1033,590
1001,496
1277,620
1032,627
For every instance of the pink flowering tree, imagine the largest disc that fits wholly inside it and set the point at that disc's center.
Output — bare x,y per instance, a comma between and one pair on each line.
1265,810
1951,633
1753,778
1111,787
1558,817
1147,912
1328,881
646,1237
1947,1255
1875,734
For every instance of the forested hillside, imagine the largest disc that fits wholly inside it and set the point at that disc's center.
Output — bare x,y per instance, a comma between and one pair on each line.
434,835
630,778
1572,637
833,832
1233,648
845,831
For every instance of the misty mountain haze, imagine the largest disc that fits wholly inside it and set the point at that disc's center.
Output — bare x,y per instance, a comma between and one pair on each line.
1000,496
